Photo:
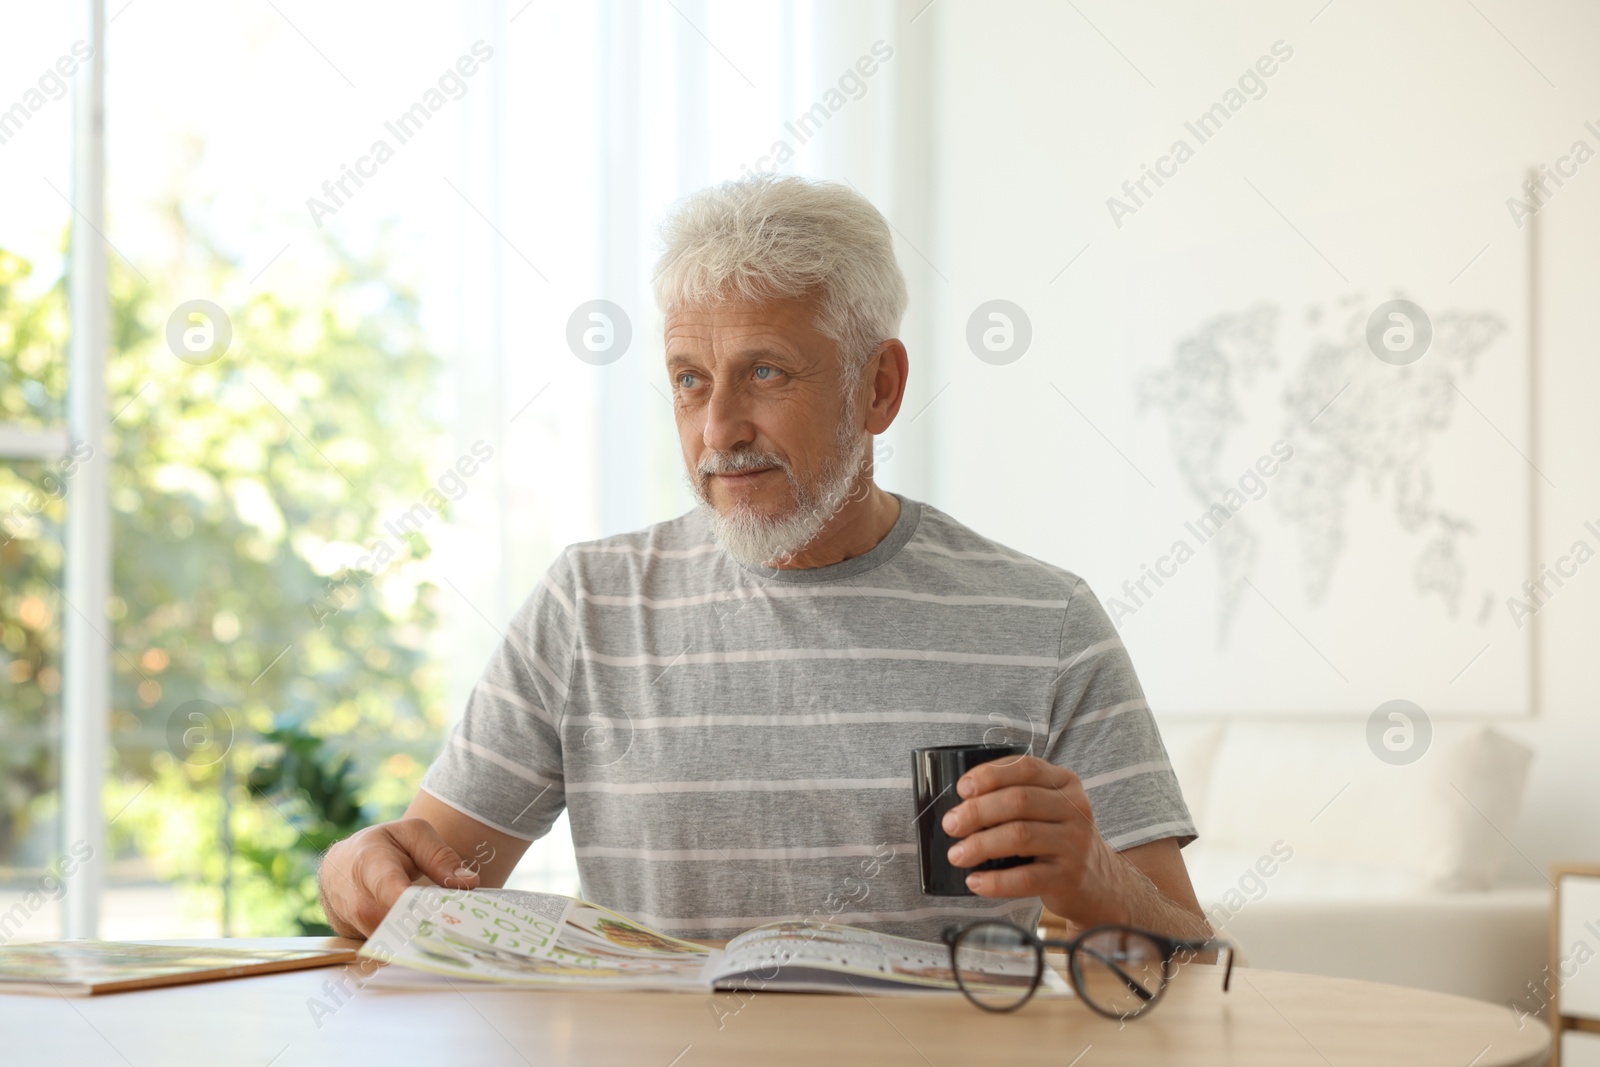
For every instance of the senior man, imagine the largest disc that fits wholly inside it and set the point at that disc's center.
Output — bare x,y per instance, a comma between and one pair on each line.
725,704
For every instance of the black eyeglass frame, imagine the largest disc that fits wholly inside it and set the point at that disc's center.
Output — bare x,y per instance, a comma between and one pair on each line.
1170,948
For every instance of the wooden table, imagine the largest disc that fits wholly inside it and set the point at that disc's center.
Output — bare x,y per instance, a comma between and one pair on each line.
1269,1018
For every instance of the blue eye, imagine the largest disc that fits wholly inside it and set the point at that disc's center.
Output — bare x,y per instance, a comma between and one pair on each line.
686,381
763,372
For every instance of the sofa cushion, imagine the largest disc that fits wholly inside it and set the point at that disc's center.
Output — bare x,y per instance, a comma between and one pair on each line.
1354,821
1492,946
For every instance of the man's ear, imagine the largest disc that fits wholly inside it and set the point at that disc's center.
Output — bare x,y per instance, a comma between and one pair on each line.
886,374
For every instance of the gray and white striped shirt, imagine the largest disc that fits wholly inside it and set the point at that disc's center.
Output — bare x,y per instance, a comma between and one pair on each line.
732,743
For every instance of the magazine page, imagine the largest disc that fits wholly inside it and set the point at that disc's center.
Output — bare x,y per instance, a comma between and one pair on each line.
824,957
539,939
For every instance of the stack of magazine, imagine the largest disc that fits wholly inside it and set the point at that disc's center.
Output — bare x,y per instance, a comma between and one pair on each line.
541,939
88,968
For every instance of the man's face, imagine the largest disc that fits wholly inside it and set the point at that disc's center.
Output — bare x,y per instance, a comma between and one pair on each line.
761,415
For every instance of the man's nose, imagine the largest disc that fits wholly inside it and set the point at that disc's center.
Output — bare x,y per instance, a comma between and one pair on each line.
728,424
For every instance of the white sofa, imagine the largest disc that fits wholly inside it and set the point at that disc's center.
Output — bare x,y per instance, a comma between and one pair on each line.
1317,856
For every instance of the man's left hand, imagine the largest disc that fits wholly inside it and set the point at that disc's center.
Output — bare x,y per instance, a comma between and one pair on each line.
1025,806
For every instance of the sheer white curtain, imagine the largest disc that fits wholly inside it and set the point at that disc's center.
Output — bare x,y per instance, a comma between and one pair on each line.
537,189
603,115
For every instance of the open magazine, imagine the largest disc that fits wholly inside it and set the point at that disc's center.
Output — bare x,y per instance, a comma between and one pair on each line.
541,939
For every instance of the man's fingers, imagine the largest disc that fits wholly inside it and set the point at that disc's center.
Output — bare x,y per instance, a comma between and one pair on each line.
363,876
1009,839
462,878
367,917
1012,770
387,860
377,867
1031,880
1007,805
432,856
379,877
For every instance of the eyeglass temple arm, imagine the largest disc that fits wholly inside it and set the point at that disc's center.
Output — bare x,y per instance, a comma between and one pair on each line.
1128,980
1211,945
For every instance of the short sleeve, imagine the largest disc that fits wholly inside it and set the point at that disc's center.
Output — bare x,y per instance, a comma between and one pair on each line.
501,763
1102,730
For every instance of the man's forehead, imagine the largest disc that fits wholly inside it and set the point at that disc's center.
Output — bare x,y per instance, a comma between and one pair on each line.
785,325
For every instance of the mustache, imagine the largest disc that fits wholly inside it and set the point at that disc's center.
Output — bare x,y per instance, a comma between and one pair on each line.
739,462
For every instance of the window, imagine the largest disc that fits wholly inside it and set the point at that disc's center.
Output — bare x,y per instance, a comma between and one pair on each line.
344,430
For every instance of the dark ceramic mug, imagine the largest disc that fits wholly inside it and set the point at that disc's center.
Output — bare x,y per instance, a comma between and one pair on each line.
934,773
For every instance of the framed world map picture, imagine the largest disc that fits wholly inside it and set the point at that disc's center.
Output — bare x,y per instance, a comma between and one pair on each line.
1341,510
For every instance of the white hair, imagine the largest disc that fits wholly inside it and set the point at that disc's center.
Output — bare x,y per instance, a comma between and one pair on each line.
763,238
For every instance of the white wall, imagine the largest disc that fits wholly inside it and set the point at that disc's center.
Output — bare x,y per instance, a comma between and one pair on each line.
1038,119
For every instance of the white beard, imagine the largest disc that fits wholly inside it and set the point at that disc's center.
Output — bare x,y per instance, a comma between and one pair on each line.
754,539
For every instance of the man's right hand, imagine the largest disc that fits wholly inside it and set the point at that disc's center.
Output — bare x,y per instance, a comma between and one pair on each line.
363,875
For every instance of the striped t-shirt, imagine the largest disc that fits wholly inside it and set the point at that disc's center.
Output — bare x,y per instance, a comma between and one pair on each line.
733,744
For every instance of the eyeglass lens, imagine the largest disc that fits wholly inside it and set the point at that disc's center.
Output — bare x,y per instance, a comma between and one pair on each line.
996,964
1119,972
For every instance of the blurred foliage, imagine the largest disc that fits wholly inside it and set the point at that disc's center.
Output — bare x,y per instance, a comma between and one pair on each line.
238,489
32,387
316,793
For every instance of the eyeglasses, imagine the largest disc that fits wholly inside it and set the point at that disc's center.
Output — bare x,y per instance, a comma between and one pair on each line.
1118,971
